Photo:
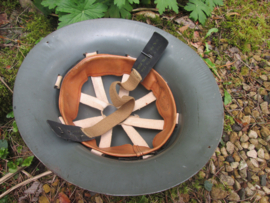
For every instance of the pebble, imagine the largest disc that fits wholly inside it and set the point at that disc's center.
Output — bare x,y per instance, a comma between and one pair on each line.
234,165
230,159
252,134
242,194
230,147
254,162
236,127
263,180
228,168
238,145
242,165
237,185
252,154
233,196
251,186
265,132
266,190
257,57
233,137
246,87
251,146
218,193
262,142
266,156
247,111
243,173
233,106
262,91
267,170
249,192
212,167
236,157
227,180
255,178
264,200
243,155
256,114
263,77
264,107
261,153
248,176
266,98
245,145
226,137
244,138
224,152
254,141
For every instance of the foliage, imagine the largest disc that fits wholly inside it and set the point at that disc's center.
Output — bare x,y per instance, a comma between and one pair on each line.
227,97
200,9
170,4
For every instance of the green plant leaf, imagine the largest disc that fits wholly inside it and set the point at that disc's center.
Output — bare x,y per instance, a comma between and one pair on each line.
163,4
213,3
145,1
115,12
210,32
119,3
4,144
28,161
211,66
45,10
19,161
3,153
51,4
10,115
199,10
143,199
134,1
19,149
4,199
207,50
227,97
79,11
39,40
12,167
15,127
208,185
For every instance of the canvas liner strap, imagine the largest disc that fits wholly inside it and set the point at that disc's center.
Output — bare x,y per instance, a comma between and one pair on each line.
126,105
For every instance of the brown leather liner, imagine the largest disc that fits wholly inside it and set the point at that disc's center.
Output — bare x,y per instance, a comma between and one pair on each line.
105,64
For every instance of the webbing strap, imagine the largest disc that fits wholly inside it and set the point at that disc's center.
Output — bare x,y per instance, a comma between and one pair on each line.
126,105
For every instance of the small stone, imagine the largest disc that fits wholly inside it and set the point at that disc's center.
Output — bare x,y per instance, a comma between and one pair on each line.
251,94
242,165
230,147
249,192
247,111
251,147
243,173
264,107
251,186
255,178
236,127
262,142
236,157
218,193
234,165
212,167
267,85
257,57
233,196
230,159
263,180
267,170
233,106
244,138
266,190
46,188
261,153
228,168
238,145
256,114
243,155
254,162
240,102
245,145
262,91
237,185
236,174
266,98
233,137
252,134
248,176
254,141
266,156
265,132
224,152
246,119
225,137
227,180
242,194
264,200
246,87
263,77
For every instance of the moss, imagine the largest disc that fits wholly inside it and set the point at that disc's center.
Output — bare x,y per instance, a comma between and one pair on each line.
244,71
35,27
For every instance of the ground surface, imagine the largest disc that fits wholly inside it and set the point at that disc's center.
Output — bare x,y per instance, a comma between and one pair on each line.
239,57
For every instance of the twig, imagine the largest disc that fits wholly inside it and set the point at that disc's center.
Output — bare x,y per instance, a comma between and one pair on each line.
72,192
21,14
10,175
231,115
2,80
11,28
227,64
27,174
25,183
247,198
144,9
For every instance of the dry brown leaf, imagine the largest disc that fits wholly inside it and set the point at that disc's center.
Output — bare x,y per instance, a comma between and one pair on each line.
98,199
233,13
182,29
43,199
3,19
186,21
32,190
196,45
149,14
63,198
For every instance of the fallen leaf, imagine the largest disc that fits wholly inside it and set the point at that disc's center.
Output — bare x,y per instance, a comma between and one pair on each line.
98,199
63,198
208,185
43,199
46,188
3,19
149,14
182,29
8,67
32,190
186,21
233,13
196,45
